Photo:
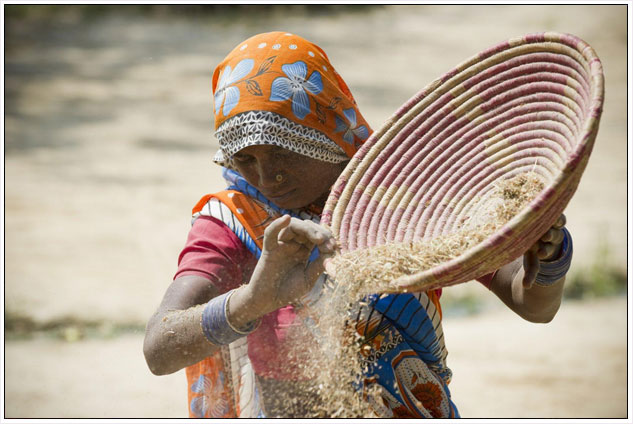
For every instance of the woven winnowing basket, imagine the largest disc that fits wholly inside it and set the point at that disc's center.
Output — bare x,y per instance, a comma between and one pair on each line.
530,104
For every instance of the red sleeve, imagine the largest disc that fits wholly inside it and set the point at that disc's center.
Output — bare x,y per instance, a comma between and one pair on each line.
487,279
212,251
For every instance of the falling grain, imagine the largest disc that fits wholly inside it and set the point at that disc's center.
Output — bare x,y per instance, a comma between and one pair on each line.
335,365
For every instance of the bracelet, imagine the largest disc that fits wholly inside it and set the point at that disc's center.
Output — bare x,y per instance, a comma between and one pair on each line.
215,324
552,271
250,327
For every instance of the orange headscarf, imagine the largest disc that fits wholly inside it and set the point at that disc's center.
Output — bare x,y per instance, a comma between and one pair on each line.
277,88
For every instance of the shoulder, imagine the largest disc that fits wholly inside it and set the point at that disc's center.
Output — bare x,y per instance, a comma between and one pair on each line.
213,251
246,217
212,230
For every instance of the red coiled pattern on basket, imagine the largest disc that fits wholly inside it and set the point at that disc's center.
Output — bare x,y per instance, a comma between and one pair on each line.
528,104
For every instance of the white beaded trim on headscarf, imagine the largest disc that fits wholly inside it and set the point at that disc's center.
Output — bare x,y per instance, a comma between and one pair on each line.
269,128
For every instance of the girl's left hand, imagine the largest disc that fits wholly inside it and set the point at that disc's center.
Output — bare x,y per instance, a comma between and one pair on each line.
546,248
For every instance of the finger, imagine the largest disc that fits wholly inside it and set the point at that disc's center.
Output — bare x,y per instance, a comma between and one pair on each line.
316,233
544,250
312,233
560,222
302,252
548,250
548,236
271,233
553,235
531,267
558,236
287,235
329,246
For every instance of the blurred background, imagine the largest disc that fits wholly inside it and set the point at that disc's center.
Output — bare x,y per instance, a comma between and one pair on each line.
108,130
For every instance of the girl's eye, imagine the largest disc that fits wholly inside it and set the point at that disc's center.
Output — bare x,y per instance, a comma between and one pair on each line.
283,156
242,158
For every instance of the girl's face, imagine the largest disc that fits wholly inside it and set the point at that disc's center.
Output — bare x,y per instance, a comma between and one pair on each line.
286,178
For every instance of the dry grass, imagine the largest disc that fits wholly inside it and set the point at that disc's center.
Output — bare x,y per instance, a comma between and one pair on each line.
335,364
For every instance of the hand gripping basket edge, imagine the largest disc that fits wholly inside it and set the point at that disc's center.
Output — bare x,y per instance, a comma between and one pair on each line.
531,103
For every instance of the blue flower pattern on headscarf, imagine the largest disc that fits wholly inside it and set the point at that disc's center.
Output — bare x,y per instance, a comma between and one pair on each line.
295,86
350,130
226,91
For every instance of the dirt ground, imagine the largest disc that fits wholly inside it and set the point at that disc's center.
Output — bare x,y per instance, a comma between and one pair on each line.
574,367
108,140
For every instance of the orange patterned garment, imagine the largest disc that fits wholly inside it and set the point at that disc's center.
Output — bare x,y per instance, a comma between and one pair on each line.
279,89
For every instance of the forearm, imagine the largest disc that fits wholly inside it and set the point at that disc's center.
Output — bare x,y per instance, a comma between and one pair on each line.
265,293
174,340
540,303
181,334
246,306
536,303
175,337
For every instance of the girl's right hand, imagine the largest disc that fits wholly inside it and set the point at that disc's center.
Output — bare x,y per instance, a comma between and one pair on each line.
283,273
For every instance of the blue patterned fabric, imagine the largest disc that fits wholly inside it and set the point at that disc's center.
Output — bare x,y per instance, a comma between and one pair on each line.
409,332
238,183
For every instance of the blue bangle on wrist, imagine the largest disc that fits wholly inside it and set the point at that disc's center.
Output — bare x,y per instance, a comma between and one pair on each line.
552,271
215,325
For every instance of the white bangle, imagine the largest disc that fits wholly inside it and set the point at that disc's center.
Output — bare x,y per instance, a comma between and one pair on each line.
215,324
250,327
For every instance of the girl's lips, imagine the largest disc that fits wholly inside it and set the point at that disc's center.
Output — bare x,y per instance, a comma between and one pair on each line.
280,196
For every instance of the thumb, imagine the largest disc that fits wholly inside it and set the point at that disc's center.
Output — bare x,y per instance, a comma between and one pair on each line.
272,231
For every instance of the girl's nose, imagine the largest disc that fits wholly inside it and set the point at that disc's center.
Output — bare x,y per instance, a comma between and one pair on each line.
269,176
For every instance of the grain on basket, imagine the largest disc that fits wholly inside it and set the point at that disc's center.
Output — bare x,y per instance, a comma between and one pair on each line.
373,269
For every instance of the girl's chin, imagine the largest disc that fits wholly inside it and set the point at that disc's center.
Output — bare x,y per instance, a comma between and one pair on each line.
291,203
294,200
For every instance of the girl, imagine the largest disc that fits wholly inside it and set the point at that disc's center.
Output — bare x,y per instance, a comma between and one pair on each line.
287,124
